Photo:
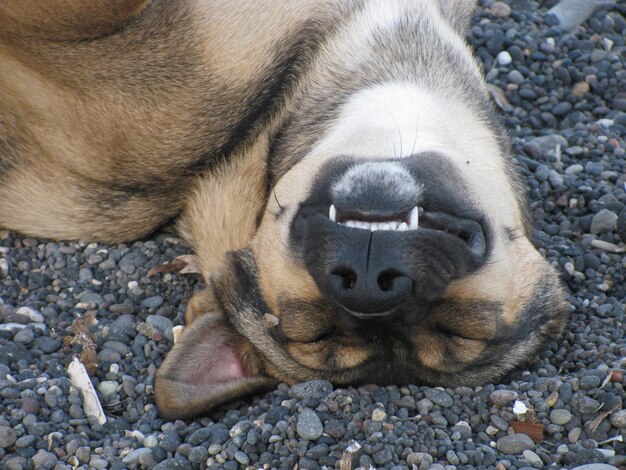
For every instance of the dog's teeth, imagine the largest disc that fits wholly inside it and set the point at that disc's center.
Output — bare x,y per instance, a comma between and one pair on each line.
332,213
351,224
374,226
413,219
403,227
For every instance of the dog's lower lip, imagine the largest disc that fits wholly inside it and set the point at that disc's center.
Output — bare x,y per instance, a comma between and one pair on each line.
366,316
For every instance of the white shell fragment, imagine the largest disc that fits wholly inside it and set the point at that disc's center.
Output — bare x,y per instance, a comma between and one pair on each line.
519,408
80,379
176,332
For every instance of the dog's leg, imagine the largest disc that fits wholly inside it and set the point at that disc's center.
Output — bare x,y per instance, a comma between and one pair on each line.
221,215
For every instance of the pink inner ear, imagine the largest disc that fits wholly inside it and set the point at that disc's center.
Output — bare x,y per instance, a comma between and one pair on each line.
212,358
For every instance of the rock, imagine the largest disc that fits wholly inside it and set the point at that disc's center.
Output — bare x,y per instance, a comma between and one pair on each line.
571,13
515,76
574,169
198,455
562,108
603,221
618,419
311,389
162,324
33,315
560,416
504,58
532,458
46,344
152,302
503,397
242,458
500,9
108,387
550,142
439,397
7,437
309,425
514,444
44,460
379,415
24,336
133,457
416,458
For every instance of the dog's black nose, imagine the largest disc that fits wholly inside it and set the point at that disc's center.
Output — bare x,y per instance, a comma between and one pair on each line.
368,286
366,281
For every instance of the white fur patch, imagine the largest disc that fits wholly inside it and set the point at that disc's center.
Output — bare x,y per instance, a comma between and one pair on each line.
398,120
393,177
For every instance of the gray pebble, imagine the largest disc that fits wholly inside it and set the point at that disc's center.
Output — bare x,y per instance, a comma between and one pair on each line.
503,397
198,455
603,221
309,425
439,397
152,302
532,458
311,389
515,76
25,441
618,419
514,444
560,416
7,437
44,460
33,315
133,457
242,458
24,336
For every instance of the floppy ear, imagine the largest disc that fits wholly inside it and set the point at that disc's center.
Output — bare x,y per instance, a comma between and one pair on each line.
458,13
211,364
59,20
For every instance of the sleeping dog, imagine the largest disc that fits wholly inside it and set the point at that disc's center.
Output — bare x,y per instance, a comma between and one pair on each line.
336,165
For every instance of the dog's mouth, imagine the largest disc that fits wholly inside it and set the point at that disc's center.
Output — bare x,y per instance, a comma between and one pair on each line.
417,218
397,221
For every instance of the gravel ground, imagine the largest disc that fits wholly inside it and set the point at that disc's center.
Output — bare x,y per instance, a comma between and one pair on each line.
564,102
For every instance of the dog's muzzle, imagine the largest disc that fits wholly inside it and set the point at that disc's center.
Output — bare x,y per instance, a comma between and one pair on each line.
378,250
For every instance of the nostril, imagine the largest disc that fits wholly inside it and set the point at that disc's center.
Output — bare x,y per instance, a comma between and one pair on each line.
348,277
386,279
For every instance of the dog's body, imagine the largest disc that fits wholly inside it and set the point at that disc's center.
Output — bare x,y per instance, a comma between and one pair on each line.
299,140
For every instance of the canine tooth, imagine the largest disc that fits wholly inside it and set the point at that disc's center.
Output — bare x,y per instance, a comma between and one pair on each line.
403,227
332,213
413,219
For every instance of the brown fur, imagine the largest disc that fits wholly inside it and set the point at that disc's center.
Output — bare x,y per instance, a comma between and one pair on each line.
116,116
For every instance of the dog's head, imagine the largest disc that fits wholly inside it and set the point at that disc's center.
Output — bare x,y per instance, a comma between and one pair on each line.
396,250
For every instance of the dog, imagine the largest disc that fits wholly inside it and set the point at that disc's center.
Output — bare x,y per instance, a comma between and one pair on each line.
336,165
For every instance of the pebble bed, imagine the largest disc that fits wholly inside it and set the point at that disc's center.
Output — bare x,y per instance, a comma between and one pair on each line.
563,96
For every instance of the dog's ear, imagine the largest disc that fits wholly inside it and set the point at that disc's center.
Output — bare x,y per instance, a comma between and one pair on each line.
209,365
65,20
458,13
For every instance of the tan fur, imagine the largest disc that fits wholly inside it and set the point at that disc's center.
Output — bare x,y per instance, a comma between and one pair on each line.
117,116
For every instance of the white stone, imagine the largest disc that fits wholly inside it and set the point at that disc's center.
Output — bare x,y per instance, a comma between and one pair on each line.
504,58
31,313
